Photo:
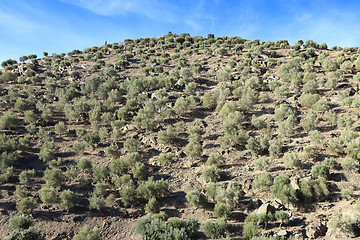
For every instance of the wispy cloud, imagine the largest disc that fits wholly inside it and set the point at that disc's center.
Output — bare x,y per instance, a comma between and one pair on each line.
16,23
191,14
156,10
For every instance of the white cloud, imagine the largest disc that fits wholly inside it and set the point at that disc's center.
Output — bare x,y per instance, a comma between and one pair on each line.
16,24
155,10
191,14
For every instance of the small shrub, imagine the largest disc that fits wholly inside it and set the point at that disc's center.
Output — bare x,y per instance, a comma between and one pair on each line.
224,75
100,174
308,99
140,171
87,233
26,175
68,199
215,229
264,181
152,206
47,151
47,194
96,203
91,138
215,159
347,192
212,173
209,100
84,164
350,164
21,191
53,177
222,210
8,120
26,205
60,128
291,160
165,158
21,222
262,163
283,190
320,170
250,230
132,145
193,149
283,217
195,198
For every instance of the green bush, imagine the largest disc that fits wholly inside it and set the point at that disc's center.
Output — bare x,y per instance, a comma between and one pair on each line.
153,228
47,194
8,121
21,191
21,222
132,145
47,151
350,164
152,188
282,216
91,138
100,174
60,128
195,198
28,234
212,173
308,100
152,206
26,175
86,233
215,229
53,177
96,203
291,160
209,100
313,190
258,145
22,104
262,163
264,181
345,225
165,158
193,149
26,205
167,136
68,199
222,210
320,170
282,112
310,121
215,159
140,171
282,189
224,75
84,163
250,230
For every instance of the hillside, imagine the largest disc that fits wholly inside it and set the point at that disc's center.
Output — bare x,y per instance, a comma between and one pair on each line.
190,137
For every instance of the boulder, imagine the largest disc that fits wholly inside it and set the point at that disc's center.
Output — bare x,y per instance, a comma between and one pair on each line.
316,230
266,208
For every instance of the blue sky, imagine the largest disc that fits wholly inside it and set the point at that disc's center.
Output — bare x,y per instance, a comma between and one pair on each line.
58,26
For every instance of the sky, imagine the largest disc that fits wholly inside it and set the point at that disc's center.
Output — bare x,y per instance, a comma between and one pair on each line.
60,26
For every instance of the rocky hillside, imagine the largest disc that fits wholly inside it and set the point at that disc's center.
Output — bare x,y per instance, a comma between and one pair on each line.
181,137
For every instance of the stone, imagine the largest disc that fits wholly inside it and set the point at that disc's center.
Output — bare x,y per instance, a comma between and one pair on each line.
266,208
282,233
315,231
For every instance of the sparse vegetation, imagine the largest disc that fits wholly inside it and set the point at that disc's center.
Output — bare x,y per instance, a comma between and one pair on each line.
176,124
